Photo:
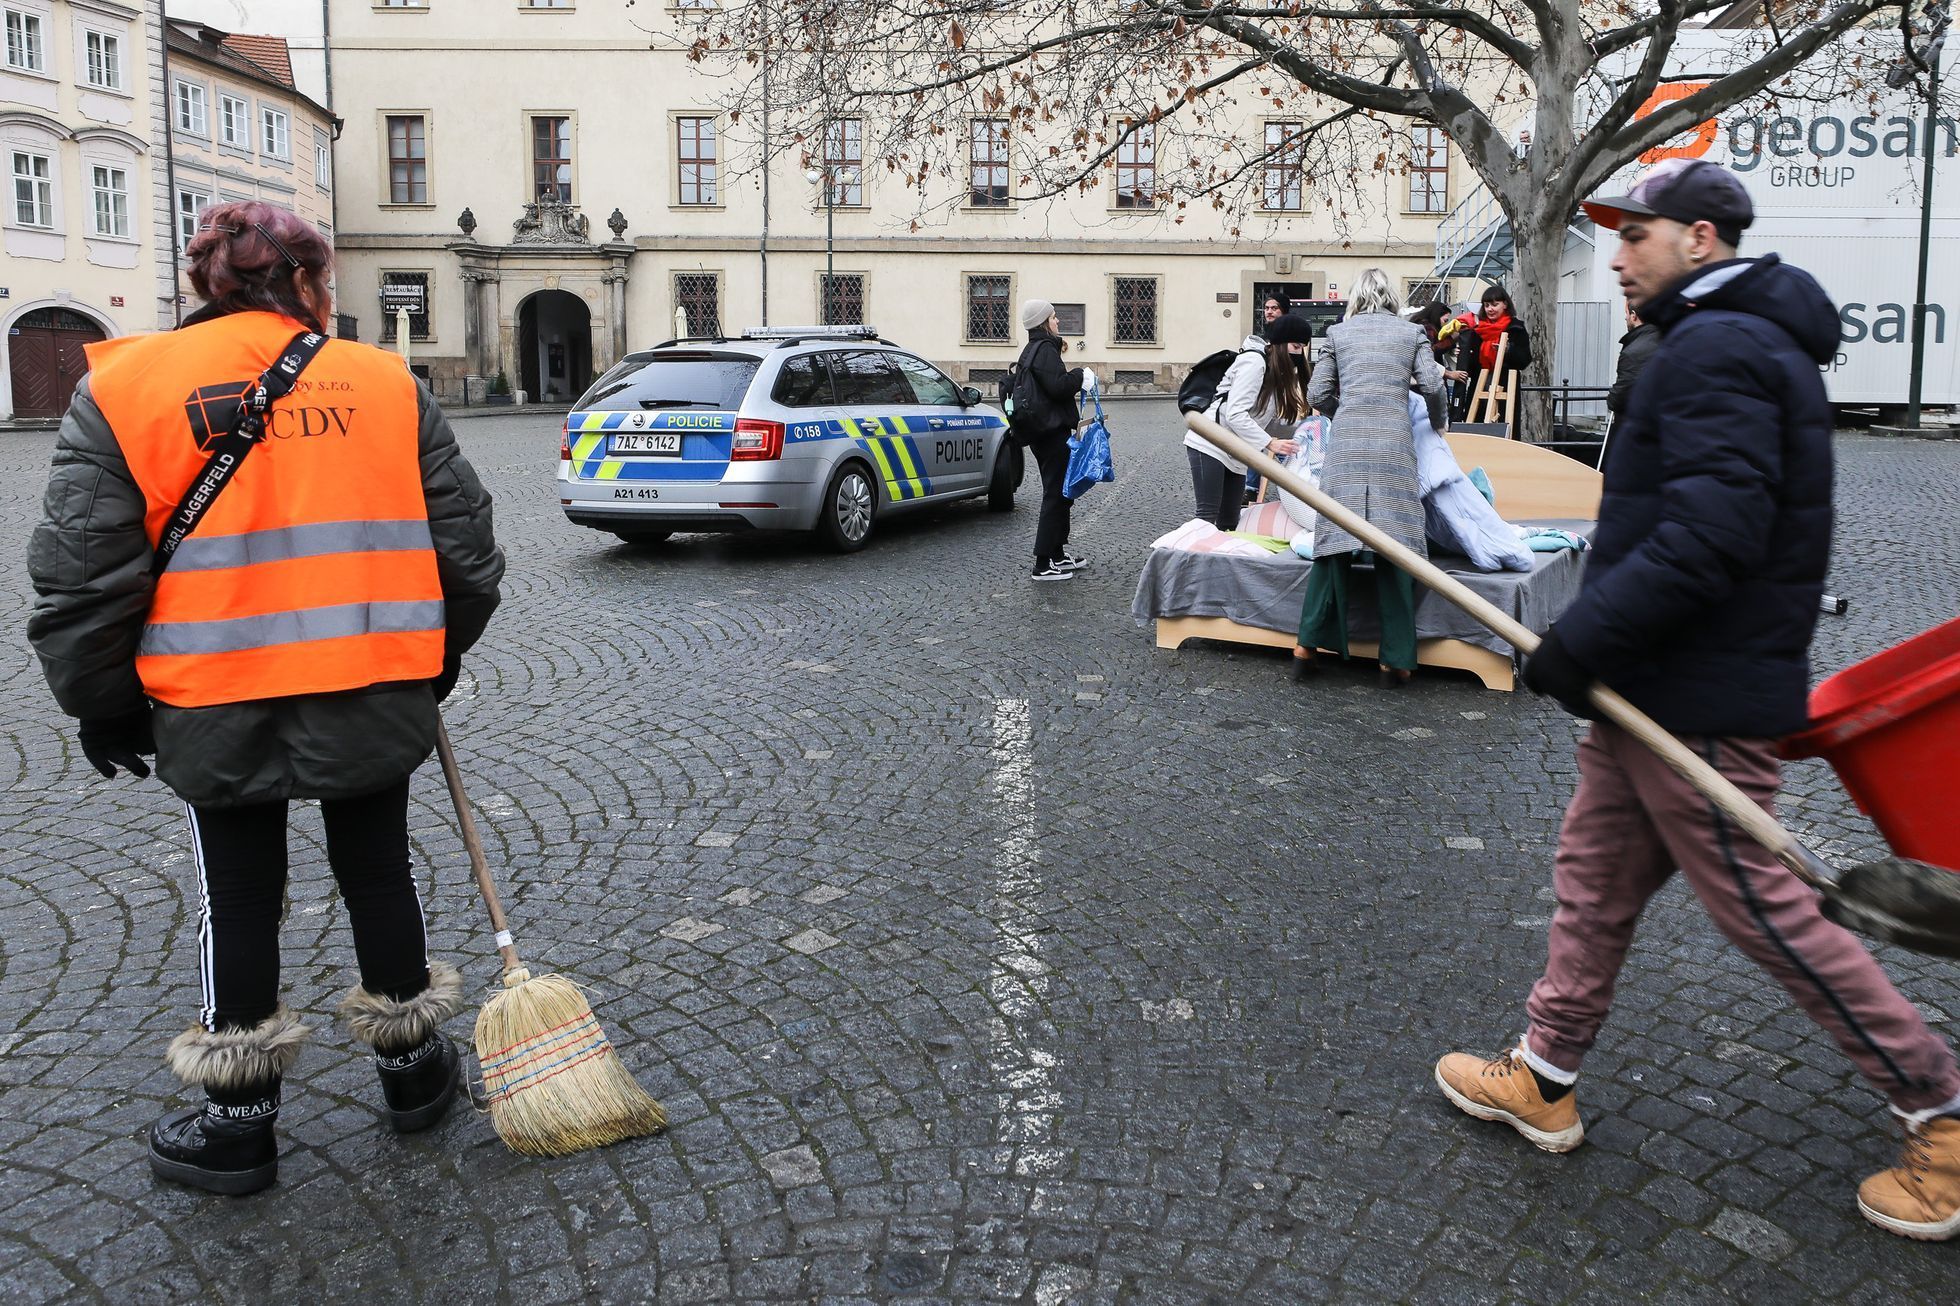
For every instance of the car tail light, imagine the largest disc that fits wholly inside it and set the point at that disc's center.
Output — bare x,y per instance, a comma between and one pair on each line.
565,443
756,440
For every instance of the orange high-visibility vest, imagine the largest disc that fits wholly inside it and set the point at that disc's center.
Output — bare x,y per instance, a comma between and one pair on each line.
314,570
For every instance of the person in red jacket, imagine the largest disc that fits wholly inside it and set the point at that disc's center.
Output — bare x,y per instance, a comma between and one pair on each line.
1476,350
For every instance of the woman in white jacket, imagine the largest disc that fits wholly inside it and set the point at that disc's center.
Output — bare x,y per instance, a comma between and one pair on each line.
1262,398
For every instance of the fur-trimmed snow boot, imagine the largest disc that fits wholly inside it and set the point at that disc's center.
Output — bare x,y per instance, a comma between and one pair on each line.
227,1145
419,1066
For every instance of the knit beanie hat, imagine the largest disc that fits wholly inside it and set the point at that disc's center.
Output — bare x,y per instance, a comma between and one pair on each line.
1035,312
1289,329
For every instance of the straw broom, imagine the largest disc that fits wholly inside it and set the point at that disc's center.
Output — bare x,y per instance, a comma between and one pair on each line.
554,1082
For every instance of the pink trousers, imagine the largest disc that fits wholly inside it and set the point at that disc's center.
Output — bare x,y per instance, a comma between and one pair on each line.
1632,823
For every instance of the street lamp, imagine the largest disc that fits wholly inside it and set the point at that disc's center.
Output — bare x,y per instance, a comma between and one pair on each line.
1925,36
825,175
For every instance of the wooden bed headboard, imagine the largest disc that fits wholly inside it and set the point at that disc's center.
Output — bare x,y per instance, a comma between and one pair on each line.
1531,483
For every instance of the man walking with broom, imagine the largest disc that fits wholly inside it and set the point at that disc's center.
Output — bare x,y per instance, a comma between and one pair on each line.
1698,604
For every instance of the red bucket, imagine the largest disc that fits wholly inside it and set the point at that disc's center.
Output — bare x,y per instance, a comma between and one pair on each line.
1890,727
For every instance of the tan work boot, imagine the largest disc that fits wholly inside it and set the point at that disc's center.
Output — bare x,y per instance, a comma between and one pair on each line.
1501,1088
1920,1198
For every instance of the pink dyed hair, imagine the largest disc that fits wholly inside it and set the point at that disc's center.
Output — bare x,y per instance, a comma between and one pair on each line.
239,258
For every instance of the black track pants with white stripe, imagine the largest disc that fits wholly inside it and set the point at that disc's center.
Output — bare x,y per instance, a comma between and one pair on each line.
241,868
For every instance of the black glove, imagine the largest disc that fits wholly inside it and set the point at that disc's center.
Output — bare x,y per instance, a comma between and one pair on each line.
445,682
112,741
1555,673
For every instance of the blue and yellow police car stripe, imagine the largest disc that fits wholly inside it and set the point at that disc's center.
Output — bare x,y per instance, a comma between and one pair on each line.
884,438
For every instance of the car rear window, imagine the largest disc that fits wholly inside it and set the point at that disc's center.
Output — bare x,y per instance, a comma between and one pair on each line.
691,378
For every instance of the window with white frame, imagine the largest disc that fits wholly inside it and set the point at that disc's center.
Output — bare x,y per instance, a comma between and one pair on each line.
1284,170
408,158
696,152
192,116
1429,170
843,162
275,137
33,189
110,189
404,4
322,165
190,205
26,49
234,122
986,163
1136,167
104,52
547,4
551,158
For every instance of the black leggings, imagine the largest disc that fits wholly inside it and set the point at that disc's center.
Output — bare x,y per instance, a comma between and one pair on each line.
241,873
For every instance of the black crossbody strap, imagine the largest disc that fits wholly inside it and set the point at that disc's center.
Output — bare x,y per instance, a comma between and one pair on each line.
229,450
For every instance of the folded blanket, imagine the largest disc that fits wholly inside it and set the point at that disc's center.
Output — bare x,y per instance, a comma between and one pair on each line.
1550,539
1200,536
1270,543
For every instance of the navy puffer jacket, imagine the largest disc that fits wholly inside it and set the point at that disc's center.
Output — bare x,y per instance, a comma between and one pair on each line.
1701,591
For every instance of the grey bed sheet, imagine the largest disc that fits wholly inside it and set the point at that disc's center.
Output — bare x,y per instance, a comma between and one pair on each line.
1267,592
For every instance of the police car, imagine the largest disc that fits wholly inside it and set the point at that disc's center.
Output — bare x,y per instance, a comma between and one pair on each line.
824,429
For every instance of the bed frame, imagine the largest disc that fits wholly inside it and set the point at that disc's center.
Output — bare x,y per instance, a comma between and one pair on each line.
1531,483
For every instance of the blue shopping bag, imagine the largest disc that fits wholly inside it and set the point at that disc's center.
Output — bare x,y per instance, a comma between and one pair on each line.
1089,460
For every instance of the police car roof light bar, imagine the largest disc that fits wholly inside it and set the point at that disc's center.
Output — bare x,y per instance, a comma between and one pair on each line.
856,331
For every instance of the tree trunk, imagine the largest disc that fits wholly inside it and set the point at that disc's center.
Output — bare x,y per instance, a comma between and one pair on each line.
1539,232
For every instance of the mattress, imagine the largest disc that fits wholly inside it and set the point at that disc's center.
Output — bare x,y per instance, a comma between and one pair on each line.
1267,592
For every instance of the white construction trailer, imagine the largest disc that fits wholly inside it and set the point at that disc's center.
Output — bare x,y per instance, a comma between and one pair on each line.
1837,192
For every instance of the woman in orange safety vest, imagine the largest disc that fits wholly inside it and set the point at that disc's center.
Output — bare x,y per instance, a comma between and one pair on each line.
294,646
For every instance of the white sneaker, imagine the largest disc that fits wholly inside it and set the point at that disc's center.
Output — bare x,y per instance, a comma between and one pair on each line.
1071,561
1052,571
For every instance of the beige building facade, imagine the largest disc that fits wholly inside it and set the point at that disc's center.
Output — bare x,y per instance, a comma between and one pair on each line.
553,193
84,244
240,130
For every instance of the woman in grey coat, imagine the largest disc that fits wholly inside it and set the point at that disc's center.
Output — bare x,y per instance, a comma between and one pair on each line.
1363,379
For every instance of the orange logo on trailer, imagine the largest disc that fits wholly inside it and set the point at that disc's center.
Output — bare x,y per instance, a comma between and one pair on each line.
1704,134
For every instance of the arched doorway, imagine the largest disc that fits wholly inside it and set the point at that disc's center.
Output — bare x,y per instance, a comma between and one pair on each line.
554,346
45,359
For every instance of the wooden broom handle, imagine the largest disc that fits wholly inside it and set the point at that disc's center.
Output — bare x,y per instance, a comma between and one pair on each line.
1712,784
484,884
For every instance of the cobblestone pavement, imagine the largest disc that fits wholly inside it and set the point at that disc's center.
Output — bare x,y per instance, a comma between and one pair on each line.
978,949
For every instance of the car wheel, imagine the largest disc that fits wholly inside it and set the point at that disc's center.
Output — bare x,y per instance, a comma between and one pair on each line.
850,509
1007,476
643,535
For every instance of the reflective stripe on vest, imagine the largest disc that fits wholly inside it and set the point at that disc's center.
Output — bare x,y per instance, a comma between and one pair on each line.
202,553
298,627
314,571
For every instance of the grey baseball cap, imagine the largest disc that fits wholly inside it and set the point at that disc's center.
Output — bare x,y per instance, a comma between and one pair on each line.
1685,190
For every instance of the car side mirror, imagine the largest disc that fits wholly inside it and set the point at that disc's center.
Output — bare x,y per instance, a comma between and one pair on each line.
969,396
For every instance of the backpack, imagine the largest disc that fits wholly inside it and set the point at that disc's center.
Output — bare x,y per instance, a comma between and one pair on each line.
1021,399
1200,389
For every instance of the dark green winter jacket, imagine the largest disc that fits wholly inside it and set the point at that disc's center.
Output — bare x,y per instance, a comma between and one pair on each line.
90,563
